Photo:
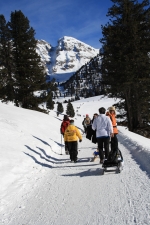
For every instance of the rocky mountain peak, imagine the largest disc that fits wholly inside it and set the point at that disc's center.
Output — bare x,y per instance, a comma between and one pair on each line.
67,57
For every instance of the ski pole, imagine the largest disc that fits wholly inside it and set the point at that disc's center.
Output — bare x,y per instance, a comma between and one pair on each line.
61,144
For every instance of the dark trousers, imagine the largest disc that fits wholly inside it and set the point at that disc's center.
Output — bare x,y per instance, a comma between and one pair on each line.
66,146
103,142
114,143
73,150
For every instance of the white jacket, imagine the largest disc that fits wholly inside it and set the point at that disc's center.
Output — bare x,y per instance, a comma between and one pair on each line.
103,126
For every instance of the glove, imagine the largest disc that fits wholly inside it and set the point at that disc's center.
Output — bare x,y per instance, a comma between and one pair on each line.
80,140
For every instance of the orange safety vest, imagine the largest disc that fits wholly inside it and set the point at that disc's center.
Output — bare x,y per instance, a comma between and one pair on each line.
114,123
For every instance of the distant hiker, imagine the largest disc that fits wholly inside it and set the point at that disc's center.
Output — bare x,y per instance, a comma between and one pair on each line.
64,125
94,140
87,126
114,140
84,126
71,136
104,129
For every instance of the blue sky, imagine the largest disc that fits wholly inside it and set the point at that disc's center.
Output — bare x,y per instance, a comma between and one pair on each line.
53,19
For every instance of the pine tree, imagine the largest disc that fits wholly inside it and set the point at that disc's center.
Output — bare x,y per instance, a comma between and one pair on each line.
28,71
6,63
60,108
70,110
125,64
50,103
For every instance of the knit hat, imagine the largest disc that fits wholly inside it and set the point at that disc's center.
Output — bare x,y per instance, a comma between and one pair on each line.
72,122
66,117
87,115
112,108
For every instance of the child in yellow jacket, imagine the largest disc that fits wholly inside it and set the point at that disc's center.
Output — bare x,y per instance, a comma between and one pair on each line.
71,136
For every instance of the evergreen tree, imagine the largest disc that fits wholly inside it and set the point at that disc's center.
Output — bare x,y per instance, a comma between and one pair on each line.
28,71
6,63
60,108
125,63
70,110
50,103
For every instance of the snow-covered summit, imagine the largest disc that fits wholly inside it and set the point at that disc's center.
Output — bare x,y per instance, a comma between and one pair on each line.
72,44
67,57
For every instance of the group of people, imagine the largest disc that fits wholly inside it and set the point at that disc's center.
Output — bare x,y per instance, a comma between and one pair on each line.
101,129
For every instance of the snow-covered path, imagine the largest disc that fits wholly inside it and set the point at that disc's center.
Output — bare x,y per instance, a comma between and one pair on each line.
65,193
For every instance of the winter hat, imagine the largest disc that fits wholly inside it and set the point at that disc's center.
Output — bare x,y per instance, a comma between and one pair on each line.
72,122
66,117
112,108
87,115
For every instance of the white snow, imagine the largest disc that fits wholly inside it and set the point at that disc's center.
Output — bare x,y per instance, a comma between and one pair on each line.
39,186
63,60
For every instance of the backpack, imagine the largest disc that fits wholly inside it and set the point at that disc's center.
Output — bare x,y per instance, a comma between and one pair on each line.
113,157
64,125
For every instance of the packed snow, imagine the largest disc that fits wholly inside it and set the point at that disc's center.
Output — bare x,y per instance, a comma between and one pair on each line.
40,186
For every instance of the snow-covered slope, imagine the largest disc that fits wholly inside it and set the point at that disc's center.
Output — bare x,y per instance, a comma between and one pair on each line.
39,186
67,57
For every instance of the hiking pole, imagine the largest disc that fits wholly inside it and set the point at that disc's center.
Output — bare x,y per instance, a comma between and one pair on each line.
61,144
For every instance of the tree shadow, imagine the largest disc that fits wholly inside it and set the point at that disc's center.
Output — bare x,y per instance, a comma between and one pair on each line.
49,160
36,161
49,157
60,144
44,142
40,154
57,118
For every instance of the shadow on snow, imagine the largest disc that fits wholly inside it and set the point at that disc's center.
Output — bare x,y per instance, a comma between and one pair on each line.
141,156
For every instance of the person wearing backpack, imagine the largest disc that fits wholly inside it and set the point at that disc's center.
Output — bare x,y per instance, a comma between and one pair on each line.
71,136
114,140
63,127
104,129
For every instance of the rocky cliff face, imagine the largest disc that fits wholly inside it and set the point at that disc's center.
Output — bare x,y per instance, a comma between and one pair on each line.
68,56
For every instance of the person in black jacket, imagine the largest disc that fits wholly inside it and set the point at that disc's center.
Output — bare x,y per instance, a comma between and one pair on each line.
94,140
88,125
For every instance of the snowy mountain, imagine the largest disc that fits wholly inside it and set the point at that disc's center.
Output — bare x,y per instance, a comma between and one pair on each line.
66,58
40,186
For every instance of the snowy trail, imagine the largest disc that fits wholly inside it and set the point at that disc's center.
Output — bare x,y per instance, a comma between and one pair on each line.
65,193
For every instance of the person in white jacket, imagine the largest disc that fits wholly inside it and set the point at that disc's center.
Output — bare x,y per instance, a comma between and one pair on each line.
104,130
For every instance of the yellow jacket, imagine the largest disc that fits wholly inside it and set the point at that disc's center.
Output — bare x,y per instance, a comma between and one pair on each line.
72,133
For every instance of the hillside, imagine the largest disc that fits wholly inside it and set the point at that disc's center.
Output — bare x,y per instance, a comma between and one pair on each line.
39,184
